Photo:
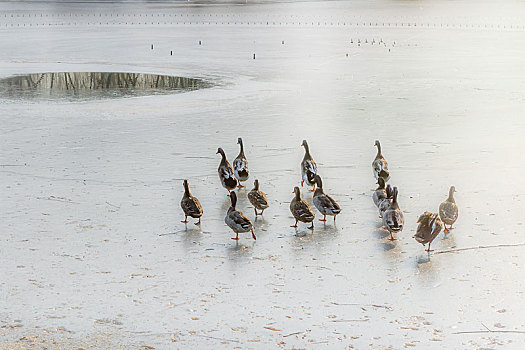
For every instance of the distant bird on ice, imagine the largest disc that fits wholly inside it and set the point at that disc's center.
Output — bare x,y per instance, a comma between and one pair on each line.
393,218
236,220
308,167
380,165
428,229
226,174
190,205
448,210
240,165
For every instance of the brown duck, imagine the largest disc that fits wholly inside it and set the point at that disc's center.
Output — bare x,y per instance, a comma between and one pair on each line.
258,198
190,205
301,210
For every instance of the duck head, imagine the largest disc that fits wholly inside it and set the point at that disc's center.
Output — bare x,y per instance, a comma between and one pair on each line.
297,192
388,191
186,187
318,181
305,145
221,152
394,195
381,182
233,198
451,193
256,185
378,145
239,142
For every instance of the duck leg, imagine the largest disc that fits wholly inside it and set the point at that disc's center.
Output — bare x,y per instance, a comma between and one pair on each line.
255,209
446,229
295,224
185,221
429,250
240,185
391,237
199,222
236,238
313,189
324,218
302,183
253,235
311,227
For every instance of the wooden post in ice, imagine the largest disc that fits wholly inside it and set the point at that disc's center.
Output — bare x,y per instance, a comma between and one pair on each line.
253,56
152,46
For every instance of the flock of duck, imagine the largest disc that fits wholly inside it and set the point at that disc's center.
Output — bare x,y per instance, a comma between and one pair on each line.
384,197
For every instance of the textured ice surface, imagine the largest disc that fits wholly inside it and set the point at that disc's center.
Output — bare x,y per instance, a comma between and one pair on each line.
92,250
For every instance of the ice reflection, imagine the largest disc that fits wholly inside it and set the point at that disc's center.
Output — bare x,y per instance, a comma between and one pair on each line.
94,85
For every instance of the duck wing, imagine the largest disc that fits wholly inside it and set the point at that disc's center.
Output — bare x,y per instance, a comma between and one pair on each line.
238,222
380,168
379,196
309,170
326,204
448,212
191,207
258,199
302,211
240,167
393,220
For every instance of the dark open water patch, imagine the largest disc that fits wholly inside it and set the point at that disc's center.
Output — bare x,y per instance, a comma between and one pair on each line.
94,85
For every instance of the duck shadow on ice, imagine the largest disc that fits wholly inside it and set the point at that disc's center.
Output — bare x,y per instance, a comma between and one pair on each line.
240,249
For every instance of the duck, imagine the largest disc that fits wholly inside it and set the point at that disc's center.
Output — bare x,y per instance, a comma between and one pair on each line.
258,198
301,210
385,203
226,174
237,221
240,165
380,165
448,210
324,202
190,205
429,227
308,167
393,218
380,193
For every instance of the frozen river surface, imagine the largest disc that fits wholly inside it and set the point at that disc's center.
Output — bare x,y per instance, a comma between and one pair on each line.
92,251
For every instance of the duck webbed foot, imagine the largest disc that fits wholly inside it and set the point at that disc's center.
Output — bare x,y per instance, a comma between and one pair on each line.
324,218
392,237
236,238
253,236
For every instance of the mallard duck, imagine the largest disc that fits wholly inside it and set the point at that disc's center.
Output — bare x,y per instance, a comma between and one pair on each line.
240,165
257,198
448,210
226,175
190,205
385,203
393,218
236,220
380,192
379,165
324,202
428,229
301,210
308,167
